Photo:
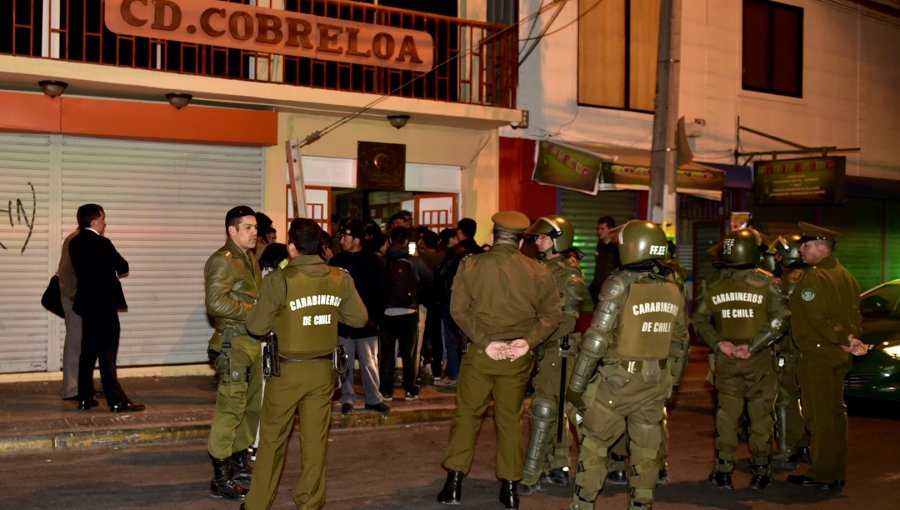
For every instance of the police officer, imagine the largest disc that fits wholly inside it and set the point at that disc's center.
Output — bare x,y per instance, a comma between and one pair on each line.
506,304
624,370
793,439
302,304
548,454
232,278
741,313
825,321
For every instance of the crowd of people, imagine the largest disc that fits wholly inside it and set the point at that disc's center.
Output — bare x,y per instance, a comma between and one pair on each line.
780,316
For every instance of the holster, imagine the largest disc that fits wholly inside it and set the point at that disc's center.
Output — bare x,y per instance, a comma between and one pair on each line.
340,360
271,361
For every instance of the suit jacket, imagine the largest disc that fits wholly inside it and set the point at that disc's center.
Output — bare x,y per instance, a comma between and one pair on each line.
97,266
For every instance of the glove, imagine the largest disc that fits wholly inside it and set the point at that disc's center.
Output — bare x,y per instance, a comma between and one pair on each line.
576,398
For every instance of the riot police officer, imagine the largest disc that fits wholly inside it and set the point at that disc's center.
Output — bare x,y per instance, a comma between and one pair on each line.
793,438
547,456
623,373
741,313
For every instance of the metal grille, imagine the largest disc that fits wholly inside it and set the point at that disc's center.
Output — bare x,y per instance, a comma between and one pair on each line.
475,62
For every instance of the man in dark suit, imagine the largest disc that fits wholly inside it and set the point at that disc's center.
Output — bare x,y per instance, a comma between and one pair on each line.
98,299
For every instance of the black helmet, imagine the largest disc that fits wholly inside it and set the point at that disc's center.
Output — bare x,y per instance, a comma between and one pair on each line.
742,247
640,241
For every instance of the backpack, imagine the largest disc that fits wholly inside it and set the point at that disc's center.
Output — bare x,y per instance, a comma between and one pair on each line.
402,285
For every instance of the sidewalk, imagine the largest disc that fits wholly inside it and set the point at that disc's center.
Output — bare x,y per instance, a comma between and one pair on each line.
33,418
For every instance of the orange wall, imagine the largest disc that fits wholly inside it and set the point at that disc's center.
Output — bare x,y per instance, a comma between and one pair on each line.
36,113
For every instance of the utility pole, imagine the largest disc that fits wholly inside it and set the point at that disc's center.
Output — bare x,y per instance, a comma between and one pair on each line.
663,161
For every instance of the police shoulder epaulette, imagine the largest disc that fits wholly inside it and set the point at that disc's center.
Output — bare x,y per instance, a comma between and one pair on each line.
342,269
466,257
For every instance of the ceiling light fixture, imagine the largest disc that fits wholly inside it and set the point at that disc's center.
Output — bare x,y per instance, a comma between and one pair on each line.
398,121
178,99
52,88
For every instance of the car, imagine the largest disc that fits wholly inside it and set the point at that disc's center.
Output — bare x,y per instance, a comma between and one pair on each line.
876,376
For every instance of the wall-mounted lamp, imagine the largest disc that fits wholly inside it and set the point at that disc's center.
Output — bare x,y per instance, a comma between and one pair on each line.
178,100
398,121
52,88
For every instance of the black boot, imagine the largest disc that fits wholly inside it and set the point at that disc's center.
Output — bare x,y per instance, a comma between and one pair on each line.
222,486
721,480
241,470
451,494
509,493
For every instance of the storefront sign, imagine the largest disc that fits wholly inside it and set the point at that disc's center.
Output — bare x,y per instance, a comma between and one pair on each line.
272,31
566,167
591,168
800,181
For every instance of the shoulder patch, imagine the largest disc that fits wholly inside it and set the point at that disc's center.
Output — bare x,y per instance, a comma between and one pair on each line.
808,294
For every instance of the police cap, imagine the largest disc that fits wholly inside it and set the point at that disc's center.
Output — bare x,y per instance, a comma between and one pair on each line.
513,222
809,232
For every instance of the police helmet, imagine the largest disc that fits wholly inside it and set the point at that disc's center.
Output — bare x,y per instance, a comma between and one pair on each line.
789,248
557,228
742,247
640,241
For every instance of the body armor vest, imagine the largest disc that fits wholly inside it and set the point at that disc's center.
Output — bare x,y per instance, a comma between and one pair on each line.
739,308
647,320
310,313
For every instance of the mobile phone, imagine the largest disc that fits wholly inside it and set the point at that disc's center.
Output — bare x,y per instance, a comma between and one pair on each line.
411,248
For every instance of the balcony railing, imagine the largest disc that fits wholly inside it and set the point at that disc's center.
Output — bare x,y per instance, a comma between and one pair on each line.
474,63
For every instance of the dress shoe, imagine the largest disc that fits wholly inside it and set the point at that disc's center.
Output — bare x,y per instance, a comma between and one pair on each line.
451,494
721,480
346,408
805,481
380,407
617,477
84,405
663,476
509,494
126,407
760,482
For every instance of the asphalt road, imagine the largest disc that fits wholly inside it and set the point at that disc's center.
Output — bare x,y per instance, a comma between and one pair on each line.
399,468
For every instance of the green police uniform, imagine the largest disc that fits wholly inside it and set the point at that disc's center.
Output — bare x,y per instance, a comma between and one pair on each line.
232,279
642,315
545,452
498,295
825,312
744,307
790,429
303,304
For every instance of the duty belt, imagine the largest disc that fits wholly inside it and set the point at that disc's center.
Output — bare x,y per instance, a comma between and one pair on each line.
635,366
301,356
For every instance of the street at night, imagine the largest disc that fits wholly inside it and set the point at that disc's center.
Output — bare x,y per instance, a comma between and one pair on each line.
398,467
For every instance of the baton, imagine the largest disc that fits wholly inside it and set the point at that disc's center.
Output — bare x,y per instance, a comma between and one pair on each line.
561,411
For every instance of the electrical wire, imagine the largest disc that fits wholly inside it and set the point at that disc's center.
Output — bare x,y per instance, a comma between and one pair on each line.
315,135
541,35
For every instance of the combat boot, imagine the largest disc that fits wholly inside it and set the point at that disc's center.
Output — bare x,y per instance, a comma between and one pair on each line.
509,494
222,485
240,466
637,505
451,494
721,480
558,476
762,476
616,476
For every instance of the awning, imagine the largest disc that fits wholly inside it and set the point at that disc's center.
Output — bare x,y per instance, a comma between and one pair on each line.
589,168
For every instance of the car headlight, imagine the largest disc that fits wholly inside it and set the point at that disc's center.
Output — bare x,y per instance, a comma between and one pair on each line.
892,351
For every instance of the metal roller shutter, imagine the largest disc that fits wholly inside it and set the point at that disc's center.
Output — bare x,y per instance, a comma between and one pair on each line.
25,265
165,205
584,211
860,222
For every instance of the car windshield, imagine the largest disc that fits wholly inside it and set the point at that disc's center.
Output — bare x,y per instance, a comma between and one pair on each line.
881,301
